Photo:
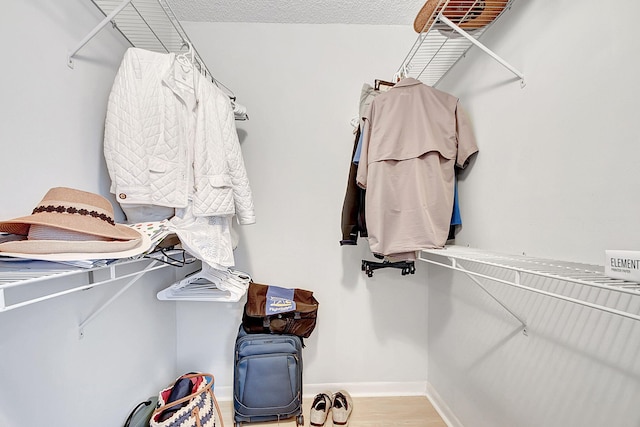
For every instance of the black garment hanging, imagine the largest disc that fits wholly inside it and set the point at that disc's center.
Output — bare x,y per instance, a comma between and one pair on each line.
353,219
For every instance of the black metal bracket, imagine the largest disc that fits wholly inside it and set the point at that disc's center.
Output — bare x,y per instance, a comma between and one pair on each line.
407,267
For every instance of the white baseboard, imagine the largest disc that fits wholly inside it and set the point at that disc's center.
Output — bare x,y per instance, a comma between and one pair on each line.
442,408
418,388
223,393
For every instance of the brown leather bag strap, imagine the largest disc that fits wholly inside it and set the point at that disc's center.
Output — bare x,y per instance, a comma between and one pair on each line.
215,402
196,414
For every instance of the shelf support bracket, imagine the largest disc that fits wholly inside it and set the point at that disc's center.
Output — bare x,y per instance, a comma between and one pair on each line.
488,51
95,31
477,282
131,282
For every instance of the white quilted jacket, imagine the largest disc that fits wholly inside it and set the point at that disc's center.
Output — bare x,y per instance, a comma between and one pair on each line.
170,138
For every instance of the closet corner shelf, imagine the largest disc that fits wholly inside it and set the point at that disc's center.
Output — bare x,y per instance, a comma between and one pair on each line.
581,274
442,43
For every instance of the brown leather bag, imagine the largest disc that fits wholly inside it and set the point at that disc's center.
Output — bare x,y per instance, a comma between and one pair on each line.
276,310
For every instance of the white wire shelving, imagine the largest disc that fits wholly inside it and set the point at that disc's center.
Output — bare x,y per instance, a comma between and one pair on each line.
147,24
464,259
150,25
442,42
27,282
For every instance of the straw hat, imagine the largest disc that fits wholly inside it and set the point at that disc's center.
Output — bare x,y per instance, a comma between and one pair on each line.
467,14
70,221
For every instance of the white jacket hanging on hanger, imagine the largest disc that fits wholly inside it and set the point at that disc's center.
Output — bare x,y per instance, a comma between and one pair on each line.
170,137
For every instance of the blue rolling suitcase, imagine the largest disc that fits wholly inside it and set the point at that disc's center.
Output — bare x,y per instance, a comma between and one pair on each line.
267,378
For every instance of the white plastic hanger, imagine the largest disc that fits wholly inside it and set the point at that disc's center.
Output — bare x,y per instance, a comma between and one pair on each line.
401,74
187,59
209,284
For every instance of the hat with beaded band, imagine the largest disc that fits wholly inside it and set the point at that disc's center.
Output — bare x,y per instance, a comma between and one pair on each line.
70,221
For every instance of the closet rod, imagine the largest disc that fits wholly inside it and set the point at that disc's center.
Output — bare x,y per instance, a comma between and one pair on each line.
95,31
488,51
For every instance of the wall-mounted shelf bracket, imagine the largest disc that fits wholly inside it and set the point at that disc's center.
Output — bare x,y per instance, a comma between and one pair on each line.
109,18
485,49
456,265
113,276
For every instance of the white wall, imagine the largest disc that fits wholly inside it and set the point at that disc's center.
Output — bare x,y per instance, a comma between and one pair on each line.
546,182
555,177
51,127
558,159
52,115
301,85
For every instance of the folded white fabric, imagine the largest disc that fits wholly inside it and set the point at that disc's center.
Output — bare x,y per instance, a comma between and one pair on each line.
207,238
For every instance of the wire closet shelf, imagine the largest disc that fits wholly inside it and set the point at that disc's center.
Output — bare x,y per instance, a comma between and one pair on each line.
464,259
16,274
147,24
453,27
150,25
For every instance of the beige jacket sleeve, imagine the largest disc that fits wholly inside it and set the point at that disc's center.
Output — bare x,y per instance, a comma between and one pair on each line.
466,139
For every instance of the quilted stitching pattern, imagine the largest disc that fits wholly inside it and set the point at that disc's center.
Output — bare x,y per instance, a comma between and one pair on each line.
216,131
147,134
144,128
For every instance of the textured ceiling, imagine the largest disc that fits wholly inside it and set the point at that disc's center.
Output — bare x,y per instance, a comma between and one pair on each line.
375,12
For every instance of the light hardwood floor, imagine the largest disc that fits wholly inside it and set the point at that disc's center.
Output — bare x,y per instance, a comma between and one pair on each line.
404,411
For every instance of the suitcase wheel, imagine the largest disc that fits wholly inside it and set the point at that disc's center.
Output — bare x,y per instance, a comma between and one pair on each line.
237,424
300,420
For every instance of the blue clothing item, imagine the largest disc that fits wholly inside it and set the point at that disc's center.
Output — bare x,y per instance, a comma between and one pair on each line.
356,156
456,219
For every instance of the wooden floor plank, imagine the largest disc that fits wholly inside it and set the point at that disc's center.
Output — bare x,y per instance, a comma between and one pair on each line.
401,411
